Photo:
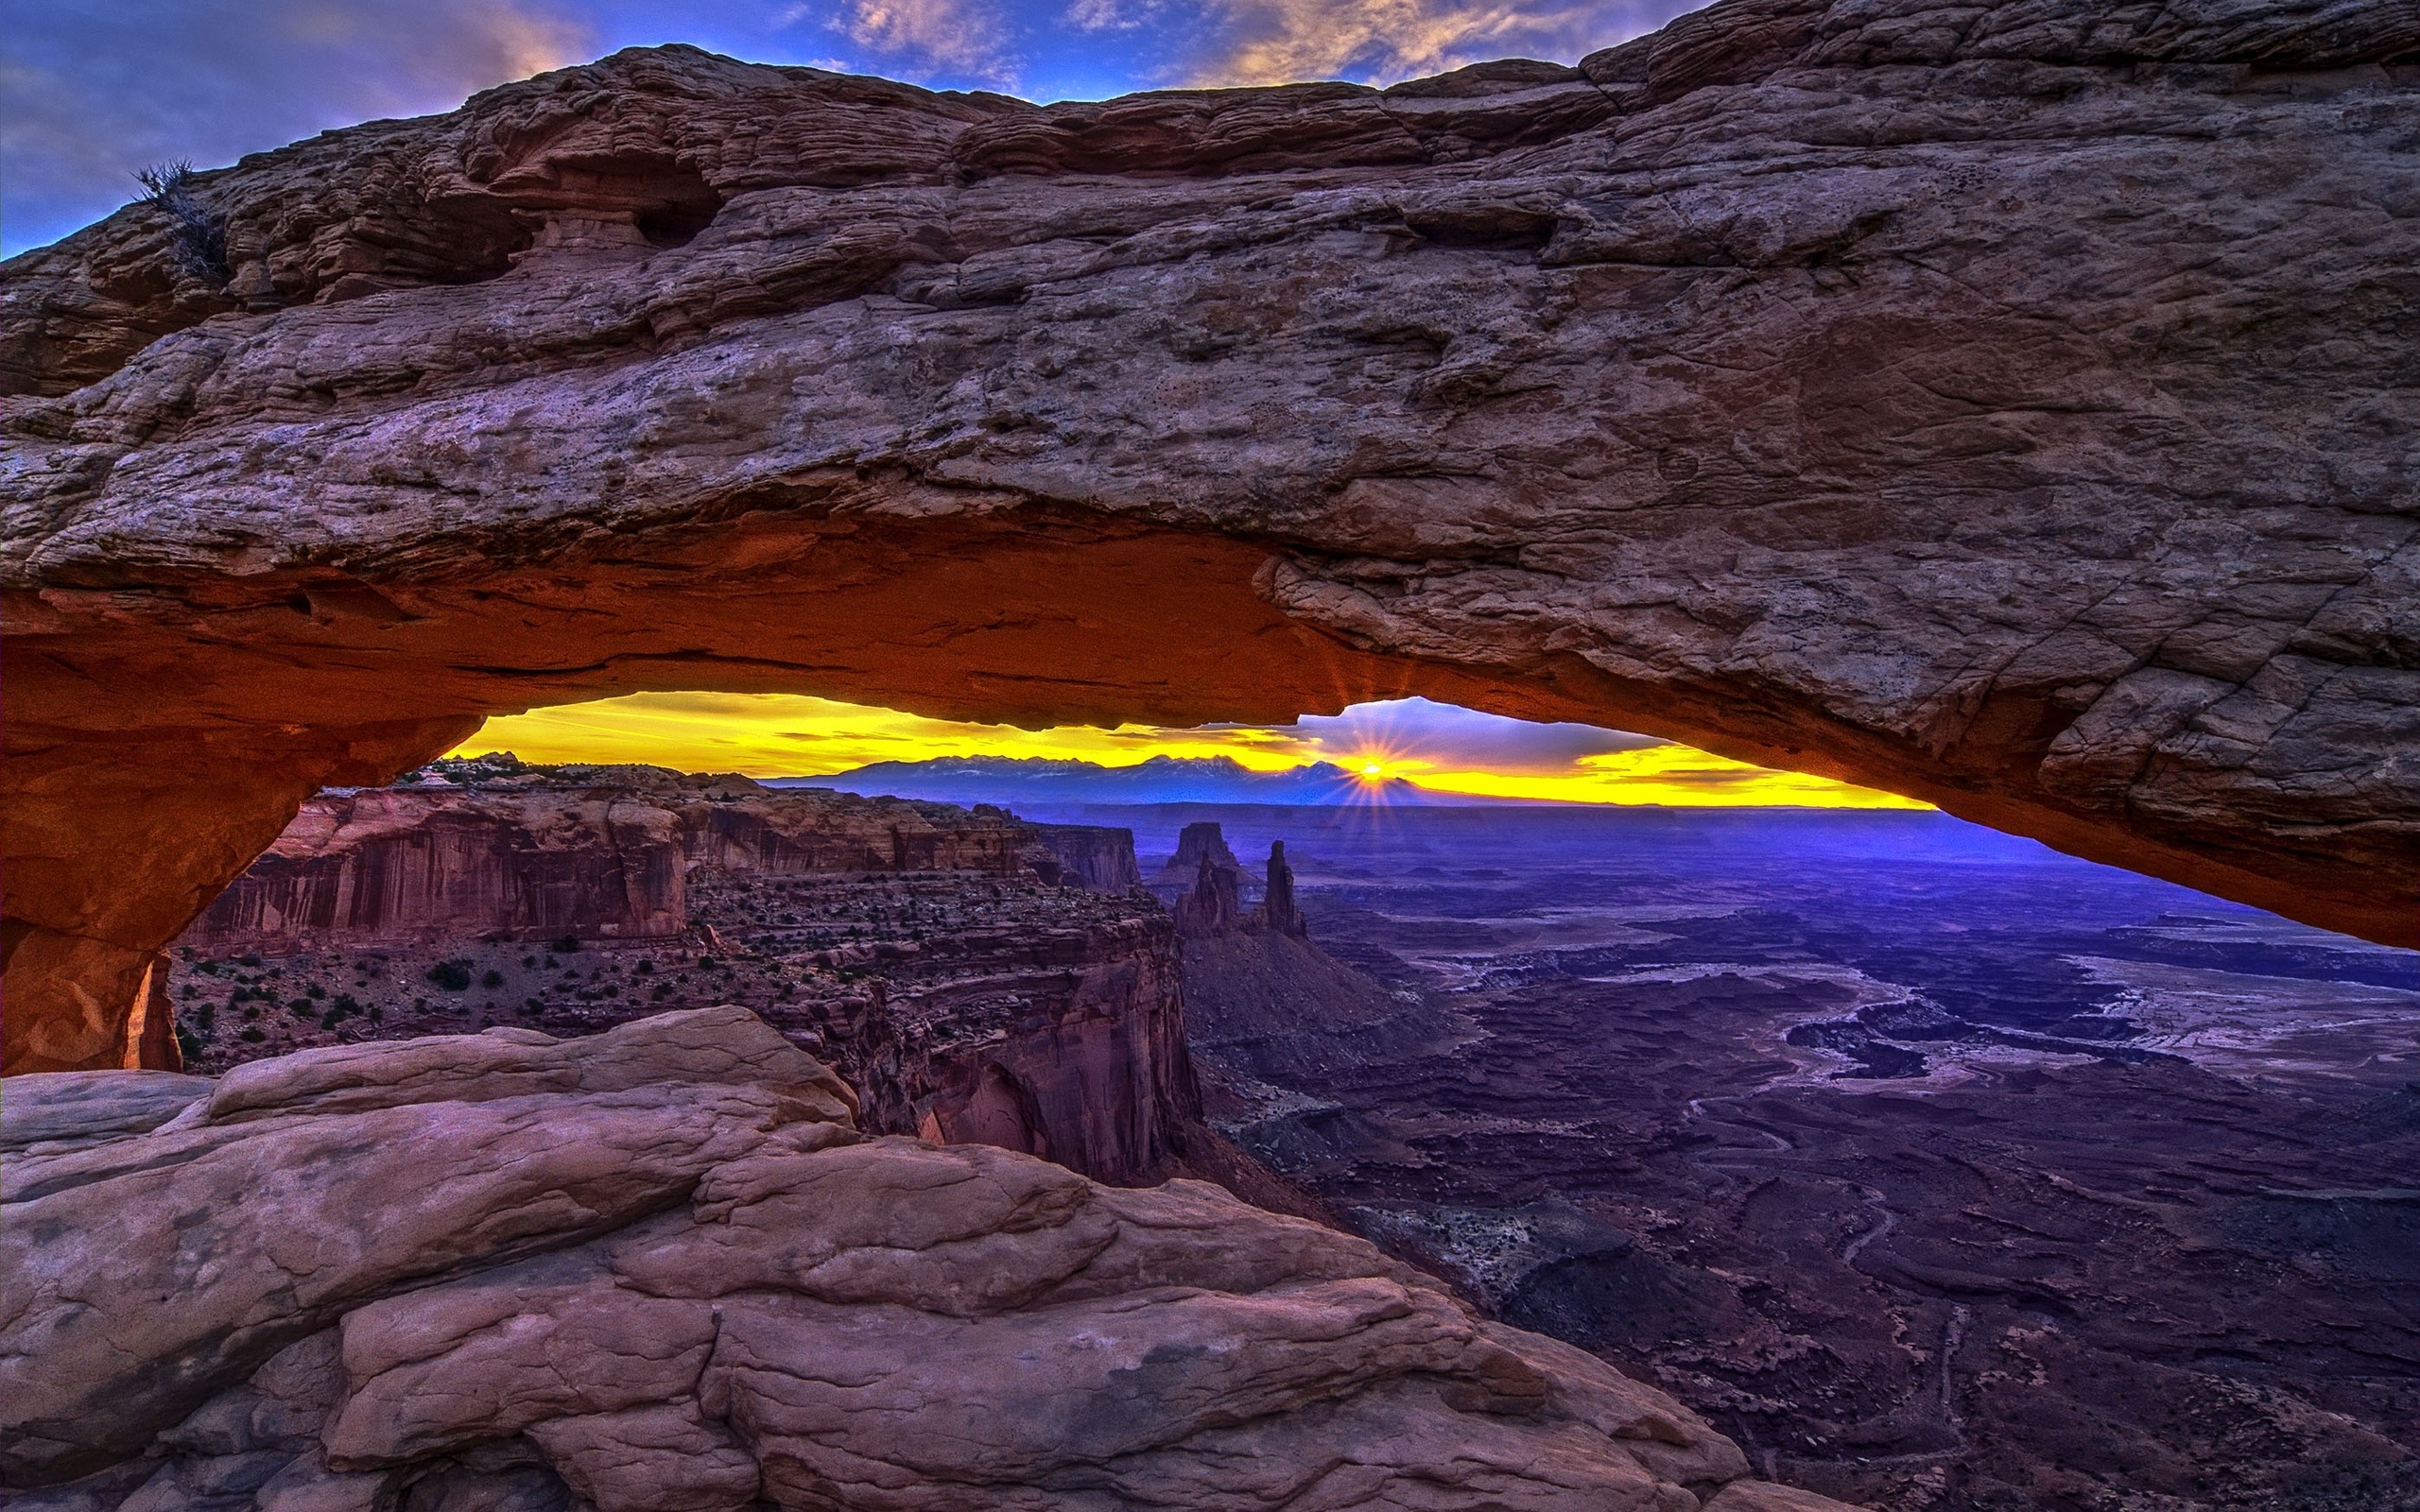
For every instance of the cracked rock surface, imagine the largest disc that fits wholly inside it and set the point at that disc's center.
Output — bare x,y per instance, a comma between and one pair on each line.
659,1268
2011,405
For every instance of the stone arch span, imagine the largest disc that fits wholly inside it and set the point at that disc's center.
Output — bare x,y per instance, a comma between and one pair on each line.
2010,408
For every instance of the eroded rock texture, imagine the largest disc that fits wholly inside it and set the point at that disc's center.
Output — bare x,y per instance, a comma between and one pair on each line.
492,849
659,1268
943,962
2010,405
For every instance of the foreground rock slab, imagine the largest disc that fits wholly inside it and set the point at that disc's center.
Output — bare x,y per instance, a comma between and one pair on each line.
659,1268
2008,404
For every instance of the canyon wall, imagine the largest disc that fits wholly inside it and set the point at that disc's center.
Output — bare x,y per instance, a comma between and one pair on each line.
597,851
1093,857
388,866
2010,405
964,994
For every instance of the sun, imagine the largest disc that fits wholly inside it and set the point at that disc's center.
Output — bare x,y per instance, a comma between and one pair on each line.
1375,770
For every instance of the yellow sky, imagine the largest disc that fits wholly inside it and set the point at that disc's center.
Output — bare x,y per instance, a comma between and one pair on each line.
1435,745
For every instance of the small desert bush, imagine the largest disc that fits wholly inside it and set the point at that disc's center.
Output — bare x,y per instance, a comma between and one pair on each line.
197,233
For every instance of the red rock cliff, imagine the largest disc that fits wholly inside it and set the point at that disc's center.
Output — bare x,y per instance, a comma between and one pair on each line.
945,961
1093,857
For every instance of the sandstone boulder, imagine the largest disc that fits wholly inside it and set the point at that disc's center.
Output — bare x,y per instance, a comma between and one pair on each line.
658,1268
59,1113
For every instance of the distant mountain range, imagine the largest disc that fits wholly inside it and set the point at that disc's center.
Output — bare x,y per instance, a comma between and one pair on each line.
1009,781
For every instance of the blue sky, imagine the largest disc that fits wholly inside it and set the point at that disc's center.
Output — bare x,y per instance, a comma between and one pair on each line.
92,90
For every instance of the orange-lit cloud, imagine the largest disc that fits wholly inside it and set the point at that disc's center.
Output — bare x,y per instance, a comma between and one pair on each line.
97,91
964,37
1434,746
1272,42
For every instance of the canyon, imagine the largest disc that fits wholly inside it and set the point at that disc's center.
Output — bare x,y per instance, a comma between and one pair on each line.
1940,1172
670,1260
2009,405
972,978
2006,405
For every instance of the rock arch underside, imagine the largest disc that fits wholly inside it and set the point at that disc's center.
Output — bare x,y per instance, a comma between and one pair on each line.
2009,405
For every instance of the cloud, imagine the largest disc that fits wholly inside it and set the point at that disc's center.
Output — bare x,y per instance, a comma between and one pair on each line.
949,37
1442,736
1381,42
97,89
1112,15
1437,746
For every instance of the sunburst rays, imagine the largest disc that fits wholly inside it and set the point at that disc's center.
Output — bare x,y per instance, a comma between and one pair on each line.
1437,749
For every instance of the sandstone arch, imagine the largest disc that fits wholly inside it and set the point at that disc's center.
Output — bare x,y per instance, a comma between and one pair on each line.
2014,407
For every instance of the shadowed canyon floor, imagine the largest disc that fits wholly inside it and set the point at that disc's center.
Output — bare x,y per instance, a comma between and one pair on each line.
1940,1171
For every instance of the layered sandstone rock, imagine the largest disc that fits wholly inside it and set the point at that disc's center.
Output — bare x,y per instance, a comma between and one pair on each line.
1204,887
1198,845
660,1268
1279,913
1214,905
2008,404
491,849
1264,1003
944,962
1093,857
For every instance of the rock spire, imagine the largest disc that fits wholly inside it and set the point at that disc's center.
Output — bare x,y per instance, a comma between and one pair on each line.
1277,911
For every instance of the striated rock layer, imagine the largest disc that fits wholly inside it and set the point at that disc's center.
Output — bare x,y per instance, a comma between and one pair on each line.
2012,404
1266,1006
941,960
602,852
660,1268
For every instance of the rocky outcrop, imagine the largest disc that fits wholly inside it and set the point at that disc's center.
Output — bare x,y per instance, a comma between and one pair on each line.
1203,885
599,852
1091,856
2009,405
1198,845
947,964
1264,1001
1212,905
1279,914
659,1268
1062,1037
